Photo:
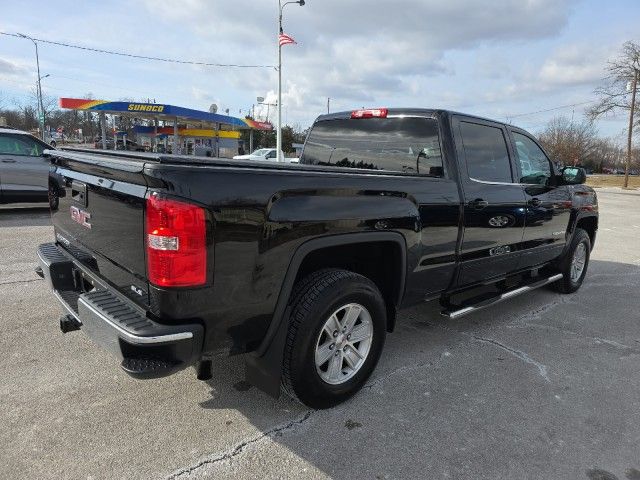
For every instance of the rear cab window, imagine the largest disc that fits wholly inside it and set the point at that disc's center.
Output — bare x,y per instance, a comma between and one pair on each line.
409,145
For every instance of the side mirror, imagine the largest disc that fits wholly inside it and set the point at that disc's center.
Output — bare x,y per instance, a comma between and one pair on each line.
573,175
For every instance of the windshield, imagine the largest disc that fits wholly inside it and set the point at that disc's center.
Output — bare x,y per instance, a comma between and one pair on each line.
408,145
261,152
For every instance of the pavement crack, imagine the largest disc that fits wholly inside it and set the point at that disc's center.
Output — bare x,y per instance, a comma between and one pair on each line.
22,281
542,369
408,368
403,369
538,312
606,341
239,448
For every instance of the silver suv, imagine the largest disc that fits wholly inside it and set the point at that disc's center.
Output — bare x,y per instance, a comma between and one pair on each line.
24,171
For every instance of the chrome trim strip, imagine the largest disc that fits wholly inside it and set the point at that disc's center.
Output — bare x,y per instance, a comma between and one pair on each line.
137,338
399,115
493,183
505,296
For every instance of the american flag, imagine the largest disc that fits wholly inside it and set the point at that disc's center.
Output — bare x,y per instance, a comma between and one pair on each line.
285,39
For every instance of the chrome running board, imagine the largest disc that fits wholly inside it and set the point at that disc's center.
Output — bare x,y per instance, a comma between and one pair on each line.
487,302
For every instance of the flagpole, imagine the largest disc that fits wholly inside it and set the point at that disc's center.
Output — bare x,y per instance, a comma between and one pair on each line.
279,125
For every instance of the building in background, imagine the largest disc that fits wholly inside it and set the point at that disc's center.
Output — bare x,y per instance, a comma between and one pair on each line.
169,128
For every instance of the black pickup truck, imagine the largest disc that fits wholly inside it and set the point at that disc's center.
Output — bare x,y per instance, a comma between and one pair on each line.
169,261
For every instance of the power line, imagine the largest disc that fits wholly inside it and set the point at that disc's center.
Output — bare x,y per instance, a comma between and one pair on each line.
551,109
561,107
142,57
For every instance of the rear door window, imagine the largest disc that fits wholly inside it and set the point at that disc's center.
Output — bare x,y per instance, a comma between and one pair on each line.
408,145
486,153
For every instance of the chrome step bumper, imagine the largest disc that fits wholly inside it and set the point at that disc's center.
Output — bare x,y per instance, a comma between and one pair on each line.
146,348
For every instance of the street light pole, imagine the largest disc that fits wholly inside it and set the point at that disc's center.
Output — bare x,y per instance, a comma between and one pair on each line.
280,31
39,92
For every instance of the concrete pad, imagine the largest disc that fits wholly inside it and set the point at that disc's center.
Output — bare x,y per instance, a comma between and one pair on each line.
542,386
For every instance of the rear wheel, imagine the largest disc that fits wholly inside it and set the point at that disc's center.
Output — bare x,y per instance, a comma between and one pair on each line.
573,264
336,334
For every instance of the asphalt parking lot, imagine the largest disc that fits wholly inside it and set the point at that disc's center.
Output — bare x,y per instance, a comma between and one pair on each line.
544,386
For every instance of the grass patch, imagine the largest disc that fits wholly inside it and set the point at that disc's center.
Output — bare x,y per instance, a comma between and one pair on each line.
612,181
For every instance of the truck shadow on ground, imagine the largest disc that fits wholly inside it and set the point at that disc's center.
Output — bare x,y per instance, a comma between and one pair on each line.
453,397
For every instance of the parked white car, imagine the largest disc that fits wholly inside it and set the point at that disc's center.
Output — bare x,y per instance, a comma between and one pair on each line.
260,154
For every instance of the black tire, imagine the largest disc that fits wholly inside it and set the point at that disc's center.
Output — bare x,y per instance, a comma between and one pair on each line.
54,197
314,300
568,284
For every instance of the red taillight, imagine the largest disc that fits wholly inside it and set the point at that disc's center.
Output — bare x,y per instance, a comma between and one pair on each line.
370,113
175,238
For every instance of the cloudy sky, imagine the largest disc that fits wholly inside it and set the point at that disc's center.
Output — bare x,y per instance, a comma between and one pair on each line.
497,58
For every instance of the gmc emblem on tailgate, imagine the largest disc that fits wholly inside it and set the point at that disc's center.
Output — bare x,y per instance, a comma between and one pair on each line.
80,216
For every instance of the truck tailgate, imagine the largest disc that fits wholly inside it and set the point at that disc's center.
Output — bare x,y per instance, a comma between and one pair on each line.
100,218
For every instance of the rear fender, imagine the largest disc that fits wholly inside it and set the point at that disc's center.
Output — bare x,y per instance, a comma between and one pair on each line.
264,366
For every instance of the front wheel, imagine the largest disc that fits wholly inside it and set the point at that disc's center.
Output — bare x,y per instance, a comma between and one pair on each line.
336,334
573,264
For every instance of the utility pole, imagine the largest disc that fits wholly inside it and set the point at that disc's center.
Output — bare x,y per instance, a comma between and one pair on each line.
634,86
328,103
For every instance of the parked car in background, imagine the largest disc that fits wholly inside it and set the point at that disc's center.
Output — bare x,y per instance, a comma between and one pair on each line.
130,144
24,171
54,138
260,154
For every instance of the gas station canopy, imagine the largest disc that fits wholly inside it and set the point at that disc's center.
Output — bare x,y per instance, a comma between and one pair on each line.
161,112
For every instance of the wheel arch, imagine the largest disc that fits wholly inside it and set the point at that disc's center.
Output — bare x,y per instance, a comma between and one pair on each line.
589,223
265,364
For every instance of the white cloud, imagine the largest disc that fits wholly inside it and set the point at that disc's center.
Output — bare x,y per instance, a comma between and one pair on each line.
11,67
506,56
574,65
356,51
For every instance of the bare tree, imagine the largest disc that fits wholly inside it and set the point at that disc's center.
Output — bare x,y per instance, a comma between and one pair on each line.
614,94
570,142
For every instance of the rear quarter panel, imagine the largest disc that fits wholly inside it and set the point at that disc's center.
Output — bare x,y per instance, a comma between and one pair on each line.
262,216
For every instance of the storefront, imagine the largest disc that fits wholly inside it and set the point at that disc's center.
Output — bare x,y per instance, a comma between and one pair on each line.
169,128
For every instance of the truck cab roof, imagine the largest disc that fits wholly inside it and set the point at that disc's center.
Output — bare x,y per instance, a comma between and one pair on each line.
395,112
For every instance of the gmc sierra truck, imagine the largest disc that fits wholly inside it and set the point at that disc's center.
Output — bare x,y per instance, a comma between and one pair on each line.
169,261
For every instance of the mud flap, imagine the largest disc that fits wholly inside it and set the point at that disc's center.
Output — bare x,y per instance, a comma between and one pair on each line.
265,371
